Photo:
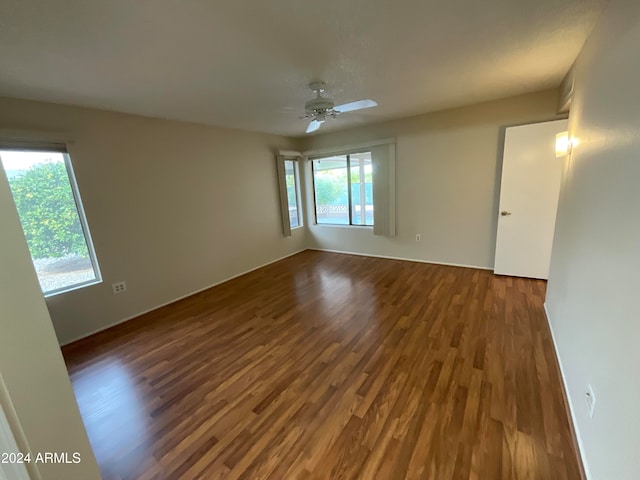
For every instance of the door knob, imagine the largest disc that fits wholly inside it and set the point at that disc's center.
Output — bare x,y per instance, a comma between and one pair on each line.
504,213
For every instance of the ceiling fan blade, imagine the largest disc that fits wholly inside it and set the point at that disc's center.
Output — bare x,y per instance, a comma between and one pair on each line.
359,105
314,125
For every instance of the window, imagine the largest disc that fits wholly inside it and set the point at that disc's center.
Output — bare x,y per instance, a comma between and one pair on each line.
291,178
343,189
289,189
50,211
355,185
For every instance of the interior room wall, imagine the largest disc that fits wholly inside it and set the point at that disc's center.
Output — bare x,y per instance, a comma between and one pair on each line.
593,286
447,181
35,392
172,207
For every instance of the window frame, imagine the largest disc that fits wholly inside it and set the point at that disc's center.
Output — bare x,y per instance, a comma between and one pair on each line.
84,225
347,154
296,182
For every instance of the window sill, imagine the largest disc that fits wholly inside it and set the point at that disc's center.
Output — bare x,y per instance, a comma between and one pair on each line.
337,225
71,288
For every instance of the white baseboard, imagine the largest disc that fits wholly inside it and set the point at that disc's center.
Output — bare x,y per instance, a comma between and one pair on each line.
419,260
118,322
568,396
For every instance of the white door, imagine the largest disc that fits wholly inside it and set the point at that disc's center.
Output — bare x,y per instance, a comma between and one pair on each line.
529,191
10,466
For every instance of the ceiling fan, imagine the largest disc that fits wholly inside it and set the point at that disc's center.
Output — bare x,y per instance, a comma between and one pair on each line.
320,108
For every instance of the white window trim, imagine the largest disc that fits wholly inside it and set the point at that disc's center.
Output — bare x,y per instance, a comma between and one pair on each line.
295,157
34,139
345,149
341,225
296,178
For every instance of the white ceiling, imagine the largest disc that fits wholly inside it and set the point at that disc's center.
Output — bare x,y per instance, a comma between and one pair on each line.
246,64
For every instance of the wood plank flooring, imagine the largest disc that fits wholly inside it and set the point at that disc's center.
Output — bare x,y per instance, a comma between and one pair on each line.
329,366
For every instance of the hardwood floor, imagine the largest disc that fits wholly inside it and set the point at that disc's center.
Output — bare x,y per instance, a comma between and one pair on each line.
328,366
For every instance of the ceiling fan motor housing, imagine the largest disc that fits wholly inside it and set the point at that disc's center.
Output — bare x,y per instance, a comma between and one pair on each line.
318,105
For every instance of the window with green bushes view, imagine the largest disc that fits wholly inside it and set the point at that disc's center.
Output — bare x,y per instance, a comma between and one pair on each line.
343,189
48,204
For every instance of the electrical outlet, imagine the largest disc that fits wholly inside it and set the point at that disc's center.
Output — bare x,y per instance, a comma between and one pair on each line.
119,287
590,398
418,237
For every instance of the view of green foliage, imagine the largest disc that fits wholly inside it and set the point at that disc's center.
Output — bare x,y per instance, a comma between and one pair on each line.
47,210
331,188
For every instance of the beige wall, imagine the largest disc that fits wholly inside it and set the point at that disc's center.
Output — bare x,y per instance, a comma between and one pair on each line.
447,181
35,391
592,297
172,207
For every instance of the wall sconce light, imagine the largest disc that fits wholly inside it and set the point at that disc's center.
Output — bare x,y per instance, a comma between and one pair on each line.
563,144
